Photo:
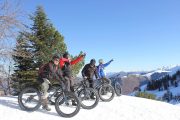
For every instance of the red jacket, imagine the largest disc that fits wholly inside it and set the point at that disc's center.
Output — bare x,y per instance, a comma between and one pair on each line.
73,62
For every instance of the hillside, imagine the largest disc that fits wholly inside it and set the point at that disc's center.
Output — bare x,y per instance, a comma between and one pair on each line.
132,80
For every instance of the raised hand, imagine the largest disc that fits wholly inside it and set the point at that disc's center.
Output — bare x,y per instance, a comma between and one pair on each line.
112,60
84,54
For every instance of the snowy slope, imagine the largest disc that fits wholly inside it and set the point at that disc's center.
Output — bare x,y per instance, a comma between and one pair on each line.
175,91
173,69
157,71
168,69
120,108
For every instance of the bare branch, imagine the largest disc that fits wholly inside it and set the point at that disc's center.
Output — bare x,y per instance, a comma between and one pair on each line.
10,24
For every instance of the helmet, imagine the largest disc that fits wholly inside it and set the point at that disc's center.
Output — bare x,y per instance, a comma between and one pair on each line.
55,57
65,55
101,61
93,62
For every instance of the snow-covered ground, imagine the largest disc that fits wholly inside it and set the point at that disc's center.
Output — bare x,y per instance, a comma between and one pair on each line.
120,108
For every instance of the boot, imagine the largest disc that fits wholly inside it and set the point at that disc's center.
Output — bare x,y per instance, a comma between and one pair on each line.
92,96
45,105
72,89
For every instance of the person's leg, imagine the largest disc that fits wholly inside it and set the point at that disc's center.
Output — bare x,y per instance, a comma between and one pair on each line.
106,81
71,84
91,85
45,87
71,87
67,83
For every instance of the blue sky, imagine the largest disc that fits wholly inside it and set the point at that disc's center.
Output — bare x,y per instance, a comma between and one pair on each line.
137,34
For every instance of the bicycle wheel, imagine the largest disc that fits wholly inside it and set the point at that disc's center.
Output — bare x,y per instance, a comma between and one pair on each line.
106,92
29,99
117,88
89,98
64,105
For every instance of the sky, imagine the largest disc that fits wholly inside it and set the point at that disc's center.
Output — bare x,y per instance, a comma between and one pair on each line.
137,34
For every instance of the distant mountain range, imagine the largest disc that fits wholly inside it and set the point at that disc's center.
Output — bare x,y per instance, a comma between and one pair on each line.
165,69
132,80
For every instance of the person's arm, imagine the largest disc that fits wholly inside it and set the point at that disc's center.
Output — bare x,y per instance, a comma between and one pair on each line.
61,62
83,71
106,64
95,72
77,60
52,72
98,71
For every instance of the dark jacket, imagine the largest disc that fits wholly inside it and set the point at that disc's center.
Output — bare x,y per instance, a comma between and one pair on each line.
66,65
67,69
89,71
51,72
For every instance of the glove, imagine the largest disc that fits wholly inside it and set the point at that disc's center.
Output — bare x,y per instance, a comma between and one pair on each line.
84,54
112,60
85,77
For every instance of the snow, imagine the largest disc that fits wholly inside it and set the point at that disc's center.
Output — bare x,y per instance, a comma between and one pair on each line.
120,108
168,69
157,71
174,69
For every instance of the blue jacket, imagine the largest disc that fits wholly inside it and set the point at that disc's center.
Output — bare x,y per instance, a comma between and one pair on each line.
100,69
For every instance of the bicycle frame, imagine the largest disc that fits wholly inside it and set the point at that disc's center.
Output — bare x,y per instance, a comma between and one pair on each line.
101,83
54,93
82,85
62,90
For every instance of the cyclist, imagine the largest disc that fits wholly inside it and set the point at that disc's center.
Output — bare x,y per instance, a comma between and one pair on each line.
48,72
66,66
101,71
88,73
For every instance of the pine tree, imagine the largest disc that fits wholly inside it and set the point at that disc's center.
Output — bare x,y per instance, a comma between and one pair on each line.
42,42
48,41
45,38
23,73
178,72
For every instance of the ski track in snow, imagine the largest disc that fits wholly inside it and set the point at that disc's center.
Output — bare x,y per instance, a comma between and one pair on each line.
120,108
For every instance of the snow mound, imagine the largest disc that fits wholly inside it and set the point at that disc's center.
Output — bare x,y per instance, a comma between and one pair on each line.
120,108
